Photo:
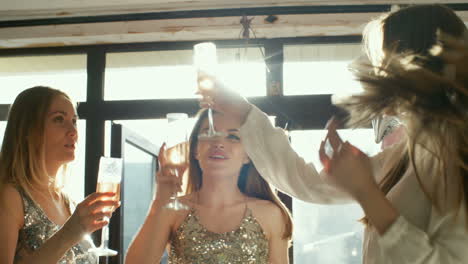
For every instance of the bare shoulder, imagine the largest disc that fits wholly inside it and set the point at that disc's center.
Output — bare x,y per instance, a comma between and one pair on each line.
264,207
269,215
10,197
11,204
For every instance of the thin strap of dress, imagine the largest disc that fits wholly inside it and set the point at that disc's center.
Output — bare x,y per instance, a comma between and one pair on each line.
247,211
70,204
25,198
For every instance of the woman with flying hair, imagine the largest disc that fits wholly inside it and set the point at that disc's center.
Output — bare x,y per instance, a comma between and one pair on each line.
234,216
38,221
414,194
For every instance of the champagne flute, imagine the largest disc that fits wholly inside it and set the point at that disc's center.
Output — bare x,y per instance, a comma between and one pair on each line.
205,61
176,153
109,178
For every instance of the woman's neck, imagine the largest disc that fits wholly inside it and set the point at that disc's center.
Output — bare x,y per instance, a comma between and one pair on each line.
52,170
48,184
220,192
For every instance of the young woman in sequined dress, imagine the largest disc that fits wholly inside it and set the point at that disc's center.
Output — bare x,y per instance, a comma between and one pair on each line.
38,222
235,217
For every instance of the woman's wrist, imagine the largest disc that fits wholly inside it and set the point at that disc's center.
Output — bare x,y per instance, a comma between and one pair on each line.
378,209
366,193
67,236
55,247
157,205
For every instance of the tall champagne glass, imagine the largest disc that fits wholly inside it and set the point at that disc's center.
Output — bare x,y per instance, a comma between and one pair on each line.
109,178
176,154
205,61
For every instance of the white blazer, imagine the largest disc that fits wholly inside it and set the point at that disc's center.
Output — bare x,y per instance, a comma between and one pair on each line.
420,235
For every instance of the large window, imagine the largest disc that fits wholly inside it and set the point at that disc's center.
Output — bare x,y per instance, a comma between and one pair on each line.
328,233
63,72
319,69
170,74
323,234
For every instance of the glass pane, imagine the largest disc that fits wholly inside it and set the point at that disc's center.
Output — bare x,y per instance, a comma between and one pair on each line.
63,72
138,183
325,233
170,74
154,130
319,69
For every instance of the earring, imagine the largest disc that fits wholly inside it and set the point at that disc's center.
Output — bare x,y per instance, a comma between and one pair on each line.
383,126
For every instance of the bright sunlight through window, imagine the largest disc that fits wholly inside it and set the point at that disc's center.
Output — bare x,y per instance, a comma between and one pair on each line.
319,69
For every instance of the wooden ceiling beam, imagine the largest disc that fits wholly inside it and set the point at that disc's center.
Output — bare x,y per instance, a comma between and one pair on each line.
26,9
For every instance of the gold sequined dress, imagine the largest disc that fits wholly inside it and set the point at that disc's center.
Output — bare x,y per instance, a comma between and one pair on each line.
192,243
38,228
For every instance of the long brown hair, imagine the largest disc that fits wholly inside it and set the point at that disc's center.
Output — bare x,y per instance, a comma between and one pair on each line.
410,30
249,182
433,104
22,156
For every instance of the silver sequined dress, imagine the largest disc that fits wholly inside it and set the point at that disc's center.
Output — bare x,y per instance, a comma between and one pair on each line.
194,244
38,228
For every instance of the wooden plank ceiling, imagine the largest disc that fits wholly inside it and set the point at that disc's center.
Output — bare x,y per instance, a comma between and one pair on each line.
49,30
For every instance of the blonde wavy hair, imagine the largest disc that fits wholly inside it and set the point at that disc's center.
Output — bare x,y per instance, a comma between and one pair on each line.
22,155
433,104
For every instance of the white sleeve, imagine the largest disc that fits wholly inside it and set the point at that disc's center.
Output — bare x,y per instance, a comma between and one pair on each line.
271,153
446,240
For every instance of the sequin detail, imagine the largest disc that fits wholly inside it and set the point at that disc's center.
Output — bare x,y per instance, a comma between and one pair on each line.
38,228
194,244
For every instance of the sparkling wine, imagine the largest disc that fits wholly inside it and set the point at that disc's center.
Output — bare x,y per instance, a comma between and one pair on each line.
109,177
114,187
177,155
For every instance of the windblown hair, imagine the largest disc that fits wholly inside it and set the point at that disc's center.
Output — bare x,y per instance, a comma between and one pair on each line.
410,30
433,104
395,42
22,156
249,182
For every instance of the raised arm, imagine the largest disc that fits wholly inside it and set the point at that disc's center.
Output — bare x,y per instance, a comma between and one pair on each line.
271,152
149,244
269,148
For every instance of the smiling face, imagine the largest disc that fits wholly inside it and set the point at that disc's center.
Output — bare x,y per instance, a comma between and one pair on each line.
60,133
222,156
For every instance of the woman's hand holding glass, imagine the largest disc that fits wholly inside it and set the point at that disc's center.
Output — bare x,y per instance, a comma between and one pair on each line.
222,99
214,95
90,215
109,179
173,163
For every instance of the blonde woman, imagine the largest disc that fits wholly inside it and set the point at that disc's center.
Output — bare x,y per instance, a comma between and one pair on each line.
414,194
38,222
